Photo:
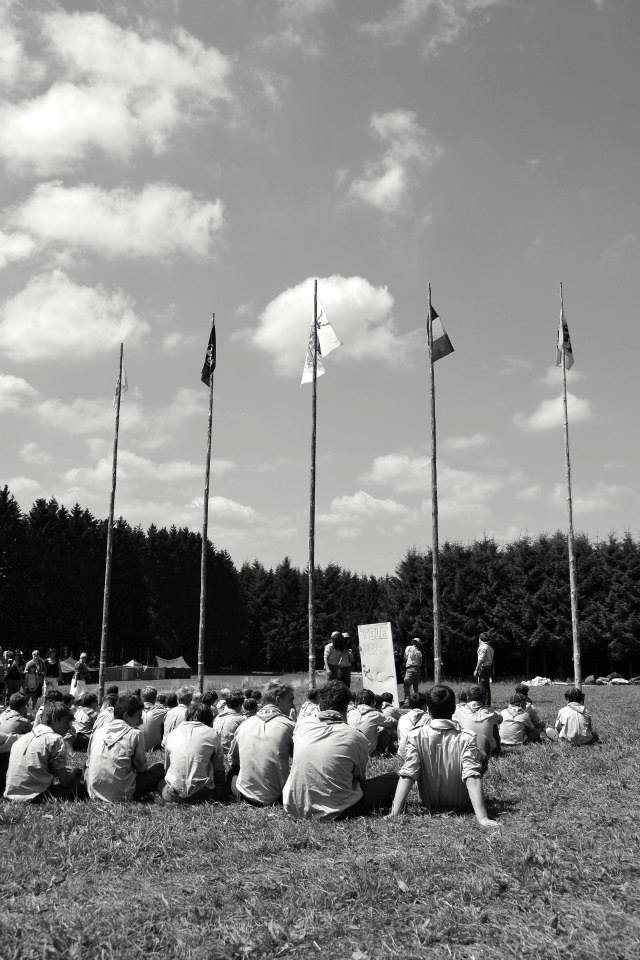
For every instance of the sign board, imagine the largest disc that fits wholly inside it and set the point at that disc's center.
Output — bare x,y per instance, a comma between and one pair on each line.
378,664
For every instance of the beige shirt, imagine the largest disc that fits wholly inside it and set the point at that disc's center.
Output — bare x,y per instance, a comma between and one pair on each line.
368,720
406,723
515,724
35,759
573,724
105,716
173,718
83,720
225,726
13,722
329,761
442,757
153,715
115,755
481,720
194,758
261,748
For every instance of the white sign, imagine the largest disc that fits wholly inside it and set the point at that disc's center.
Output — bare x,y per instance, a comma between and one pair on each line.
378,664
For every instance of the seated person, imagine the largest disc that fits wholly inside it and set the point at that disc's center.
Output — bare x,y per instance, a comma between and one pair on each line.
445,761
116,763
475,717
226,724
7,740
573,723
328,774
83,720
388,708
40,757
517,727
51,696
310,706
370,721
523,688
175,716
194,761
250,707
411,718
15,718
153,714
261,749
105,714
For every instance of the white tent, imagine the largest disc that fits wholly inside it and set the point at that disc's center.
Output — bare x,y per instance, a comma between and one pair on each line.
178,664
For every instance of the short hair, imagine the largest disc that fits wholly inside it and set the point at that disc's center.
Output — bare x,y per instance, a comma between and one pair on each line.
463,696
257,695
149,694
518,700
200,712
441,701
274,693
522,688
574,695
367,697
335,695
88,698
312,694
386,697
235,701
68,699
54,711
477,693
110,699
185,695
209,697
225,692
172,699
53,696
112,689
250,705
17,701
417,700
128,705
162,697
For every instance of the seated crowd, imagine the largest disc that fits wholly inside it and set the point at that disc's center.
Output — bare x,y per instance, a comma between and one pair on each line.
254,747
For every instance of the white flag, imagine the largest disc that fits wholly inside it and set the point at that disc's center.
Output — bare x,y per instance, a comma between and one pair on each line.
123,388
307,370
327,343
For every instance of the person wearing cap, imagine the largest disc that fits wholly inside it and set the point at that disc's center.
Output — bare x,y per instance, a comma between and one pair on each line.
80,677
338,659
34,673
484,667
412,667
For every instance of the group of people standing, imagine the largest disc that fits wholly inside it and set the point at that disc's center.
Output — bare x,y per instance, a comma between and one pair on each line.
32,677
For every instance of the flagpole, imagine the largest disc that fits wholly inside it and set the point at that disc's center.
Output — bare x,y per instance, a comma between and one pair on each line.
312,491
575,628
205,535
437,650
107,572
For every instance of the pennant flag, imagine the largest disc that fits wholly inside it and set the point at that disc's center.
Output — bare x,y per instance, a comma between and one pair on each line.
327,343
564,343
442,346
210,358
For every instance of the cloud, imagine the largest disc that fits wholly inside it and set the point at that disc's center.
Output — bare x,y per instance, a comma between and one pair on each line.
161,220
14,391
387,181
360,314
53,318
299,9
400,471
15,246
24,485
445,20
549,414
360,507
509,365
553,376
533,492
176,341
132,467
87,416
119,90
31,453
597,499
15,66
623,248
466,443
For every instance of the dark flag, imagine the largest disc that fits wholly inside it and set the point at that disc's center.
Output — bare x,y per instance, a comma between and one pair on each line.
442,346
210,358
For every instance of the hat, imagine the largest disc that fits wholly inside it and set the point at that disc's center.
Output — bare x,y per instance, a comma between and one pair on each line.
335,634
347,636
83,656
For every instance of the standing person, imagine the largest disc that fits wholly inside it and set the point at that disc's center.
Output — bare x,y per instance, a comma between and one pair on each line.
34,673
52,671
338,659
484,667
11,675
412,667
80,677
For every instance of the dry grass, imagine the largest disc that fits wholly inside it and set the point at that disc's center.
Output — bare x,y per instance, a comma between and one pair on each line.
559,880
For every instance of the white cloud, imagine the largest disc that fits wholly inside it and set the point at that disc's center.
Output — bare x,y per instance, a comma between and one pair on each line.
548,415
359,313
176,341
14,392
15,246
31,453
553,376
600,498
161,220
533,492
132,467
387,181
222,509
466,443
54,318
444,21
400,471
24,485
15,65
509,365
87,416
360,507
118,90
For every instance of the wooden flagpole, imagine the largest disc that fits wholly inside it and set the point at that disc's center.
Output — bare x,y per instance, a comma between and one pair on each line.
312,492
437,648
107,572
205,526
575,626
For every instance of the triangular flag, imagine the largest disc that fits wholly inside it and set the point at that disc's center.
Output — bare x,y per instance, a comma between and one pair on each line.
442,346
327,339
307,370
210,357
564,343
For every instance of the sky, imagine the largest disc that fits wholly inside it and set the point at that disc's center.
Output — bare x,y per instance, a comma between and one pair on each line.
168,159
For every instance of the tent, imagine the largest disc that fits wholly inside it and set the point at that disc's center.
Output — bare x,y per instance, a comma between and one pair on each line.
175,669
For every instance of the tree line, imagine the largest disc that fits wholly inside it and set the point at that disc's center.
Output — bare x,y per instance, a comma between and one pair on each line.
52,563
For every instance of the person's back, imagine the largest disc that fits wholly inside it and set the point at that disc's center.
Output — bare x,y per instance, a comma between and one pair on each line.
15,719
261,748
39,757
573,723
474,717
153,715
517,727
176,715
195,768
116,761
227,724
368,719
409,720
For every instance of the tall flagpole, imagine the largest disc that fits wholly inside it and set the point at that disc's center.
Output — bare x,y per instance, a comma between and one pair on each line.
205,516
575,628
312,491
437,649
107,572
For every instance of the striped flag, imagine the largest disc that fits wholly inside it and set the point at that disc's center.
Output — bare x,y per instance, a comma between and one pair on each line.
210,357
442,346
327,343
564,343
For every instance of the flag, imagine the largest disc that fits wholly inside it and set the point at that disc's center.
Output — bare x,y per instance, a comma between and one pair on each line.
327,343
123,387
442,346
564,343
210,357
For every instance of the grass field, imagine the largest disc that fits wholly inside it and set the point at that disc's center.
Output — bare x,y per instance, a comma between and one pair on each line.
561,879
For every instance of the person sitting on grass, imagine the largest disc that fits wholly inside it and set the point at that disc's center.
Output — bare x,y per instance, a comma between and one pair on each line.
517,727
309,707
83,720
388,708
227,723
175,716
371,722
221,702
51,696
40,757
328,774
261,748
153,714
523,688
116,763
573,723
250,707
15,718
105,714
7,740
410,719
194,760
475,717
444,760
